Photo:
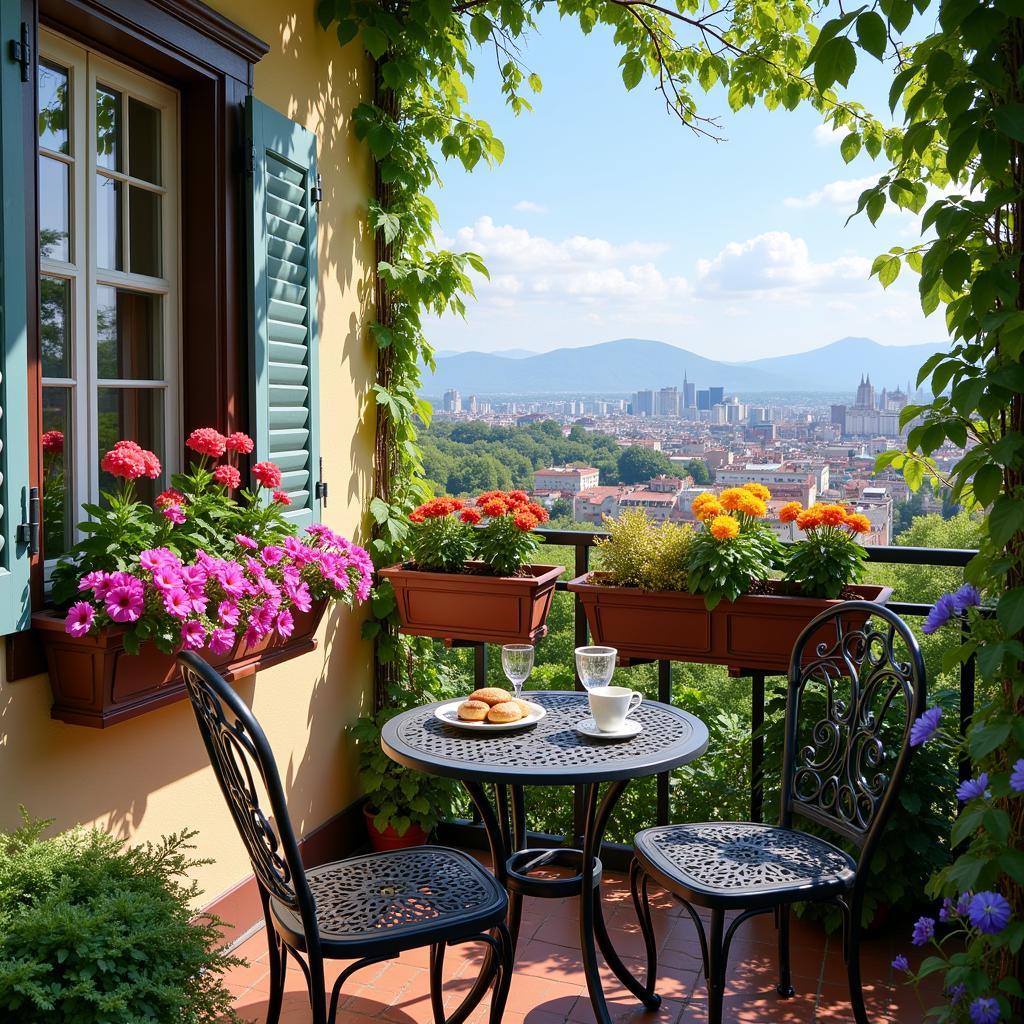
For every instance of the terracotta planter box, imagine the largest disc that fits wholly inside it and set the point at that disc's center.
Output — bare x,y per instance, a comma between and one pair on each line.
755,632
474,607
389,839
95,682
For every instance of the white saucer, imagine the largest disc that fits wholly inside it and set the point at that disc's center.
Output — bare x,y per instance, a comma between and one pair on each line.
588,727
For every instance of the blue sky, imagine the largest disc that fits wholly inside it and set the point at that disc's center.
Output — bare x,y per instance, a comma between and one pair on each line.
609,219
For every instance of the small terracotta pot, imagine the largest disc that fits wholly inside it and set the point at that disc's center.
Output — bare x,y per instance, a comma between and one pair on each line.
95,682
389,839
756,632
474,606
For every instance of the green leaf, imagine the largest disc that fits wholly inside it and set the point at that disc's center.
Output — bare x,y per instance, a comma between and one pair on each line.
480,26
375,42
1010,611
983,739
1006,518
871,34
987,482
347,31
836,62
1009,120
380,510
632,70
850,146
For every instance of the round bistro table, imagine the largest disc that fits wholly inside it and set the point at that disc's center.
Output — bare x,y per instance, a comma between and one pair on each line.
550,753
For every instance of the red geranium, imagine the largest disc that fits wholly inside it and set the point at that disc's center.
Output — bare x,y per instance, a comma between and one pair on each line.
282,498
471,516
525,521
169,497
207,441
228,476
239,442
268,474
53,441
129,461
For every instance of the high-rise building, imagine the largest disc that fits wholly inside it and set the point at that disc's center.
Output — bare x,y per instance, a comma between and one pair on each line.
865,393
716,396
471,404
689,393
668,402
452,401
643,403
704,399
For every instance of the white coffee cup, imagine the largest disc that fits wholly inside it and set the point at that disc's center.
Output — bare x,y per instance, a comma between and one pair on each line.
611,705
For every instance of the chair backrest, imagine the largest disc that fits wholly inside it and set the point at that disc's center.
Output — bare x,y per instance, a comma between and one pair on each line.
241,755
856,686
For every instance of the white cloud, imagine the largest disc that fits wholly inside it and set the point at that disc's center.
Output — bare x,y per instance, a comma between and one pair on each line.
844,192
529,206
775,265
826,135
578,269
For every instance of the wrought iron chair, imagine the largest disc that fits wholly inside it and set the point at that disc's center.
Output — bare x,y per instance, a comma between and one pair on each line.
365,908
836,773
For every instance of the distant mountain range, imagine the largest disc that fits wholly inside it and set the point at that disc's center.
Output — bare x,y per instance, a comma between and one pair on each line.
629,364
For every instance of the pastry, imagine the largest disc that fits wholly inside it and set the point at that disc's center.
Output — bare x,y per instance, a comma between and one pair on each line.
506,711
524,706
473,710
491,695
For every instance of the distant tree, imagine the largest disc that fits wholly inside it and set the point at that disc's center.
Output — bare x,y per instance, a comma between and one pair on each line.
469,433
905,512
698,469
637,464
475,473
562,508
550,428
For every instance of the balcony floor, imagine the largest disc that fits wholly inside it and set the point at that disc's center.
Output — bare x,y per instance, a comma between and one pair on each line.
549,987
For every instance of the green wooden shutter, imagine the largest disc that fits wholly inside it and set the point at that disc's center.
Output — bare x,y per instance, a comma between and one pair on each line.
283,323
14,437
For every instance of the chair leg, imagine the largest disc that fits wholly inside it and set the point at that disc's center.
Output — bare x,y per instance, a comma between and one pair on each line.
317,988
785,986
852,949
277,954
503,974
716,967
642,906
437,982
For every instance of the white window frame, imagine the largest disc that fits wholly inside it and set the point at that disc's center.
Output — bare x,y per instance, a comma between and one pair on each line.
87,69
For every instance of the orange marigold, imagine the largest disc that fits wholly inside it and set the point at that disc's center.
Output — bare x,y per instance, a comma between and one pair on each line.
758,491
809,518
857,522
732,497
724,527
518,499
493,507
539,511
471,516
525,520
790,511
753,506
416,516
833,515
704,502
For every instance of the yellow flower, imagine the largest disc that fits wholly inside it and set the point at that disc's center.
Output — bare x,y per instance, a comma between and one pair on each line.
732,497
724,528
705,506
758,491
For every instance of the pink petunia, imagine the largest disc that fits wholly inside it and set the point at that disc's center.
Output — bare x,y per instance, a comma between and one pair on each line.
232,580
91,580
242,540
272,554
199,602
221,641
301,597
174,514
177,603
124,604
193,636
166,577
154,558
79,619
227,613
255,634
285,623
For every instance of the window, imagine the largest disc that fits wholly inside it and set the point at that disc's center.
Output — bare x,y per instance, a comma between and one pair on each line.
108,256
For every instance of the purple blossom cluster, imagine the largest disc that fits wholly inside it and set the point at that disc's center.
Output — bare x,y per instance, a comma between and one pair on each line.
213,602
949,605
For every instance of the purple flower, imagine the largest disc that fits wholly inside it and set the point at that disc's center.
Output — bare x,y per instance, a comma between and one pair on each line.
946,910
79,619
973,788
174,514
124,604
984,1011
1017,777
989,912
285,624
924,728
245,542
966,597
221,641
942,611
955,993
963,903
193,635
177,603
924,930
900,963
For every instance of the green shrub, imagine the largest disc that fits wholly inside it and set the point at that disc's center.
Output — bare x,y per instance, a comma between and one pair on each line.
638,553
94,931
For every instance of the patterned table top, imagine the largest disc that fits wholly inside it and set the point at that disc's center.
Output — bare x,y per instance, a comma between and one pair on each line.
549,753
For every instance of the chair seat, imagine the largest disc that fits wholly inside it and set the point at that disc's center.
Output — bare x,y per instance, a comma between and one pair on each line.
743,864
383,903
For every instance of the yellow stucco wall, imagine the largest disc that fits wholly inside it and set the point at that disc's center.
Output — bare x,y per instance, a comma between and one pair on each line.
150,775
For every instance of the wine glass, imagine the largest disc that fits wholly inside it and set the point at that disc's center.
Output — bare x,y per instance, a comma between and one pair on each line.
517,663
595,665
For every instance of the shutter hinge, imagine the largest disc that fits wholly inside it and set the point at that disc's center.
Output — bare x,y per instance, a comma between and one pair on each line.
316,193
250,160
28,533
320,488
21,53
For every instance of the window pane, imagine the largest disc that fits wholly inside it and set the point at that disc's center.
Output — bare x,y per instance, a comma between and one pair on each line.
143,141
108,128
108,222
54,227
132,414
58,510
53,107
129,340
144,231
54,316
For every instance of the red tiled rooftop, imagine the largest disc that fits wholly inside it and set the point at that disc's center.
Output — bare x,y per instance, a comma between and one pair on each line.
548,986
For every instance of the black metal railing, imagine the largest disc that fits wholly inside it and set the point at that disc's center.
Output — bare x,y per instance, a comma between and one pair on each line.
581,541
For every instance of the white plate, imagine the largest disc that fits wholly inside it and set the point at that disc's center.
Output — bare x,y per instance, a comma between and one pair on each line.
449,714
588,727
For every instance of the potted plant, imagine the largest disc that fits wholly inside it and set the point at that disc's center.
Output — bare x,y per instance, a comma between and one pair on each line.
228,577
99,932
707,596
471,576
